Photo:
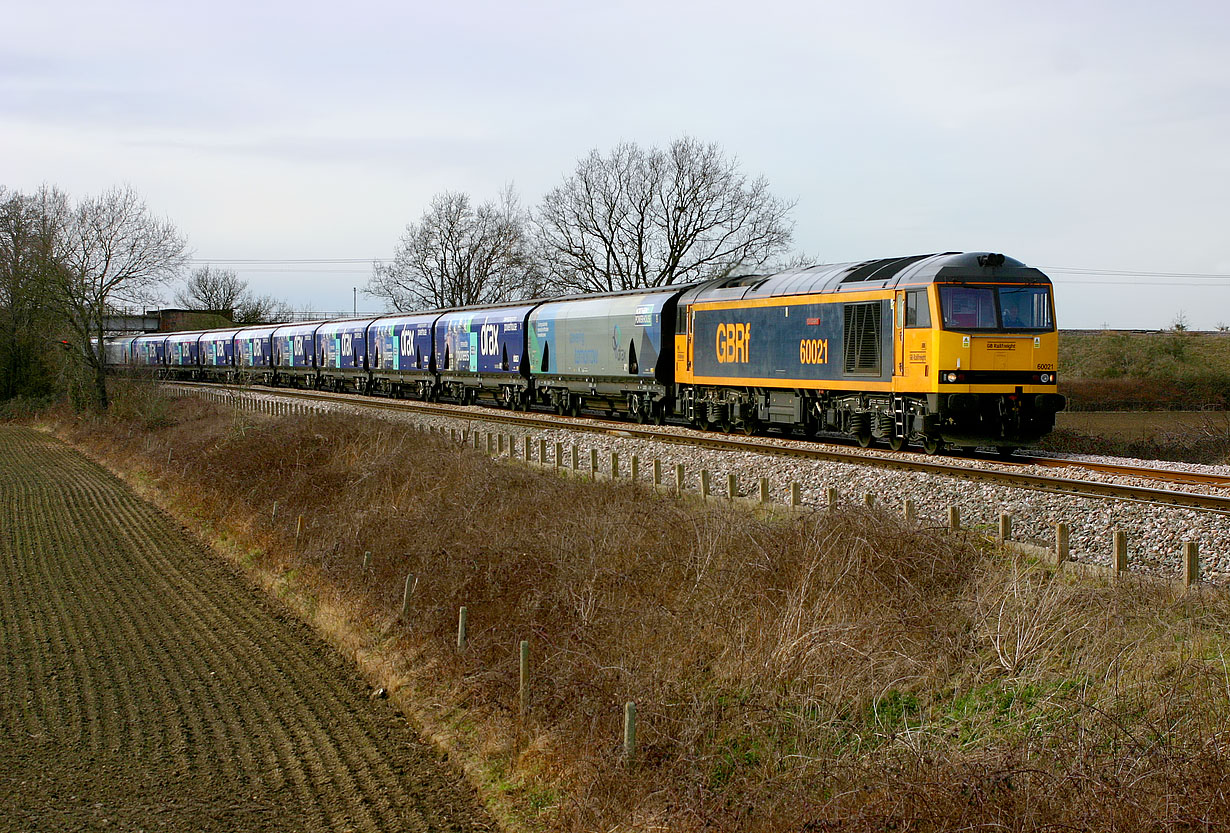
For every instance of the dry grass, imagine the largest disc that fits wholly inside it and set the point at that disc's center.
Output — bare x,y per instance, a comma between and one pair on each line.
825,671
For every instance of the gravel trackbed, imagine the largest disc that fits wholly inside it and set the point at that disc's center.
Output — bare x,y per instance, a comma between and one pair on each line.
145,686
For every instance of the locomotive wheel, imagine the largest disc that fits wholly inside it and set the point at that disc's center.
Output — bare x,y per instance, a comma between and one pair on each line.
932,445
636,410
864,440
896,443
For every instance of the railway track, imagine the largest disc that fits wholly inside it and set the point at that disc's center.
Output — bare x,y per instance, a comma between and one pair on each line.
1004,472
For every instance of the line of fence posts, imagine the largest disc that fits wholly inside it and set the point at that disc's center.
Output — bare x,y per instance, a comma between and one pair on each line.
1189,563
523,686
1189,567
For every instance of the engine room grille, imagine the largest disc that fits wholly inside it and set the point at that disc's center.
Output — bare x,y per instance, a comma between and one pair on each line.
862,339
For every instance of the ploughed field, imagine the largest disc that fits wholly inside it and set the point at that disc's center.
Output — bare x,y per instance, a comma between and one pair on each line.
145,686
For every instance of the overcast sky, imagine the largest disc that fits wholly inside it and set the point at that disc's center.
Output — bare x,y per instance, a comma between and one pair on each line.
1071,135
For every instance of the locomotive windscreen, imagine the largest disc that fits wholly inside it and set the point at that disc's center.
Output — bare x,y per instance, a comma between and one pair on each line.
996,308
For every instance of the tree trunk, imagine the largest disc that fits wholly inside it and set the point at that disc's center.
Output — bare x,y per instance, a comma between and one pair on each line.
100,387
98,360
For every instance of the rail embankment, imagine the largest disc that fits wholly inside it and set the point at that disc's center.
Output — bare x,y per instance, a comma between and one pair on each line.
814,670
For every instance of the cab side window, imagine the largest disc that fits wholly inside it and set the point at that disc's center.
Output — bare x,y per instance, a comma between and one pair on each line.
917,311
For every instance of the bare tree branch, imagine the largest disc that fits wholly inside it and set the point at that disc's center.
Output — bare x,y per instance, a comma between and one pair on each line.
29,318
213,290
654,217
262,309
110,251
458,255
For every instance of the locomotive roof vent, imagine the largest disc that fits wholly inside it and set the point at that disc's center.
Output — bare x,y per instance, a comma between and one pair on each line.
991,260
881,270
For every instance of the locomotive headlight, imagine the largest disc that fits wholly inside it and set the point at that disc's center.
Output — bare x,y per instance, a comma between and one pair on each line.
1045,378
950,377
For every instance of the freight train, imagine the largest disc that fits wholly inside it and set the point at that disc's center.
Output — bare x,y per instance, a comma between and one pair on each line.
953,349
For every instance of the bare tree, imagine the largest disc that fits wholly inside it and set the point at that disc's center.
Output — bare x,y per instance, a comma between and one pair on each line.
262,309
458,254
29,320
222,290
215,290
653,217
110,252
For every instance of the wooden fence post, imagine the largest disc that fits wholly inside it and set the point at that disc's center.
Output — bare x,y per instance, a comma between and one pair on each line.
1191,563
1119,564
679,478
635,470
1061,544
525,676
630,733
1005,527
954,518
657,473
764,491
796,494
704,484
732,487
909,512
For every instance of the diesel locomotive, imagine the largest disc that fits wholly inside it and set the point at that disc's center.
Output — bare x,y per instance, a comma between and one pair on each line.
953,349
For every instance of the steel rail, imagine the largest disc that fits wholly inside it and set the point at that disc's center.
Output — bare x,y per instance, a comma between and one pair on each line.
1072,487
1192,478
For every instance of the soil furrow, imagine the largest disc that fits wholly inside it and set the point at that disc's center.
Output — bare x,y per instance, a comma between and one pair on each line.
147,686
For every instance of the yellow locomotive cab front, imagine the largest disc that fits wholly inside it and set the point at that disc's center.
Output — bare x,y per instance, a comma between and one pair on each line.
996,351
